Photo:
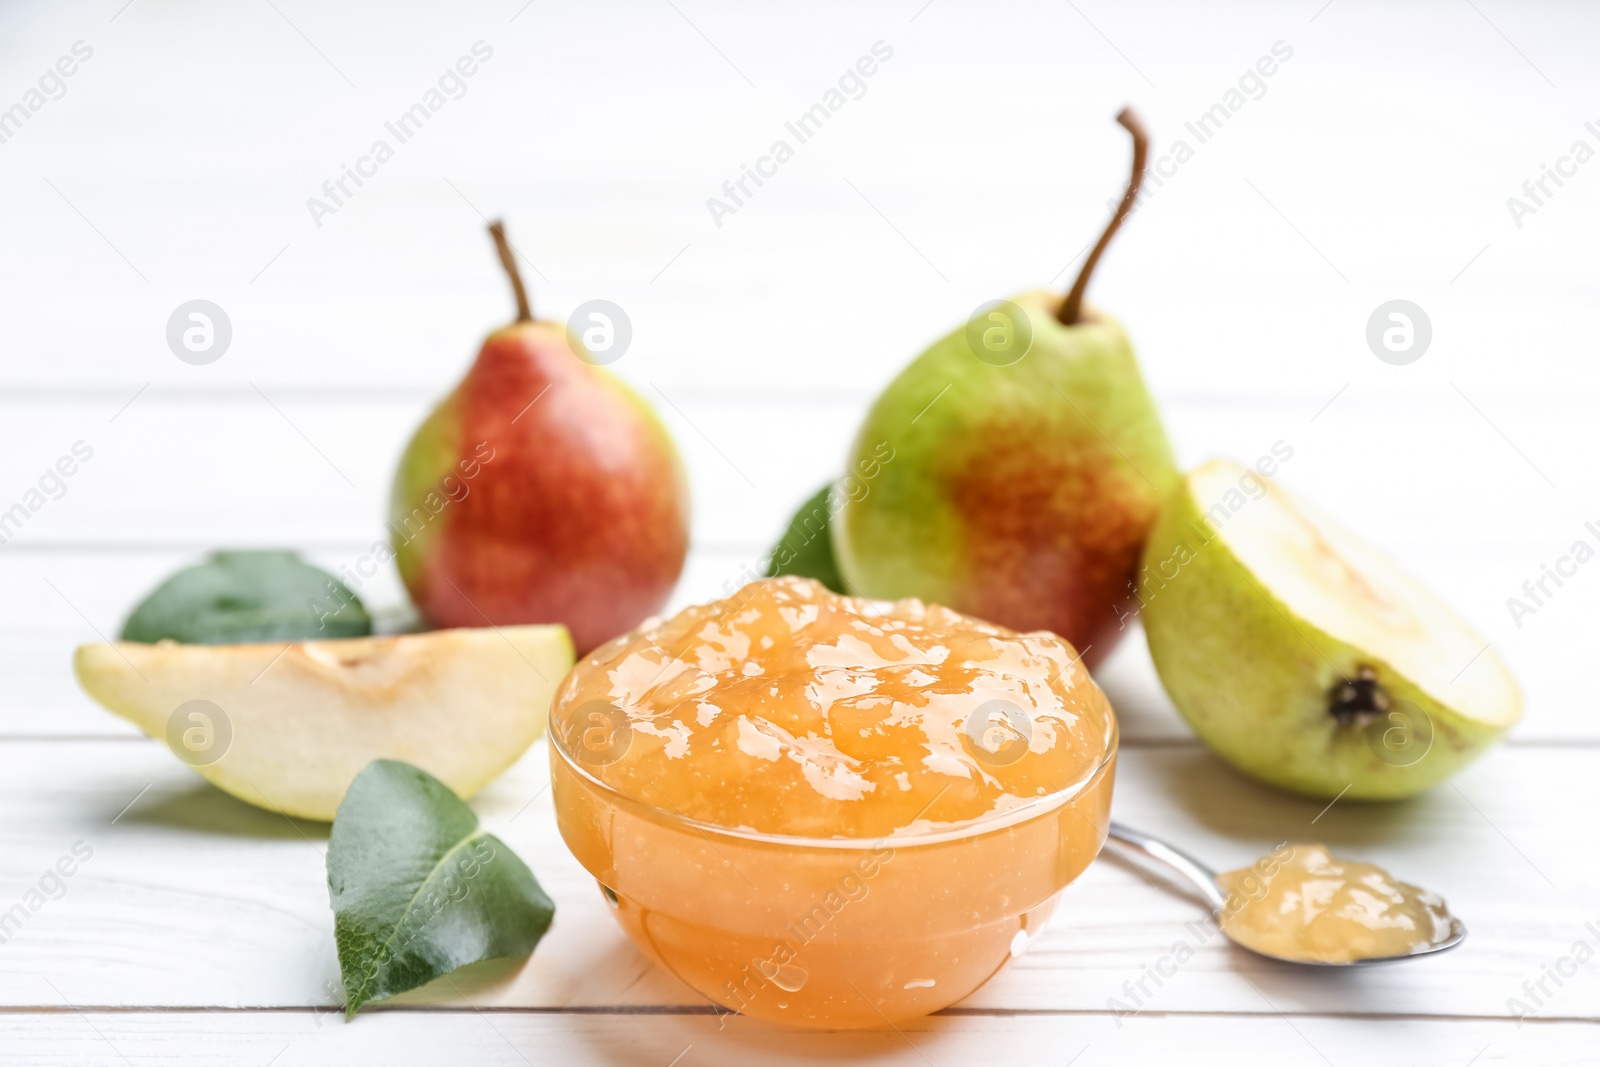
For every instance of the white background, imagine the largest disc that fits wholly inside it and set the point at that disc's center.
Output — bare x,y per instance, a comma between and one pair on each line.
1377,165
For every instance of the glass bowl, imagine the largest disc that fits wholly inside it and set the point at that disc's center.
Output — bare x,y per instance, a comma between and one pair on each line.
831,932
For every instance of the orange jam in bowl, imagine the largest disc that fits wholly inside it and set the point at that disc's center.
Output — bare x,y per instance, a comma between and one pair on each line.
828,811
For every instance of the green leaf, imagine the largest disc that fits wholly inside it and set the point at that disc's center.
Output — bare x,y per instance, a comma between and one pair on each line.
238,597
418,889
806,548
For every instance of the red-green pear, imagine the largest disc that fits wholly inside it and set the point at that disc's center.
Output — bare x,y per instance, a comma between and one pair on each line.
542,490
1012,471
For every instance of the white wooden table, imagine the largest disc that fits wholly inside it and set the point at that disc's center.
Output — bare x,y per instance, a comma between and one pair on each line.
1375,164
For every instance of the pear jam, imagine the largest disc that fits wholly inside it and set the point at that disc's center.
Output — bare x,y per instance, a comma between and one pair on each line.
831,811
1303,903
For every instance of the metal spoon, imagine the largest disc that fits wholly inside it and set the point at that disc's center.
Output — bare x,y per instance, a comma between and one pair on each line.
1204,879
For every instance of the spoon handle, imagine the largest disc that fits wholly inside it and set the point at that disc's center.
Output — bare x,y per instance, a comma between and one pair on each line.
1202,877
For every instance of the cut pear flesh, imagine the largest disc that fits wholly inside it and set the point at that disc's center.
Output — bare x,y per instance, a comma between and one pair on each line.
1304,655
1337,583
288,727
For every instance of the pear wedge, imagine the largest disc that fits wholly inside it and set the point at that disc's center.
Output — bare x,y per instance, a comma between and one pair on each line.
288,727
1304,656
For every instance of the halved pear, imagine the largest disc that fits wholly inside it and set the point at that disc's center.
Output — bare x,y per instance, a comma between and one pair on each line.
1306,657
288,727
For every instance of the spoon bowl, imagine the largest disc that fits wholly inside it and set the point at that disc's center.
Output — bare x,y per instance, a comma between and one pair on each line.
1204,879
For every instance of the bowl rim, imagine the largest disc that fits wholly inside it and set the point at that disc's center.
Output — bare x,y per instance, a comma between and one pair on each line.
982,824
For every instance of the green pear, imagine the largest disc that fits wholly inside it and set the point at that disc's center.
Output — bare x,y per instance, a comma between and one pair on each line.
287,727
1305,657
1012,471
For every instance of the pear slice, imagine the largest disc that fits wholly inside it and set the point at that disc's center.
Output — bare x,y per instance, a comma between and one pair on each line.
1304,656
288,727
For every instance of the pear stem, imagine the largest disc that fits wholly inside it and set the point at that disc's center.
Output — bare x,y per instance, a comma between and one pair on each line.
497,229
1072,307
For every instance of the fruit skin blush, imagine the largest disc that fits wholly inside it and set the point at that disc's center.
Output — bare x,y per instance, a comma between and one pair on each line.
829,811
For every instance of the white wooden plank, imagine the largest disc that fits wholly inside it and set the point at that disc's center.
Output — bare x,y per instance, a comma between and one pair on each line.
236,465
194,899
496,1039
807,277
57,599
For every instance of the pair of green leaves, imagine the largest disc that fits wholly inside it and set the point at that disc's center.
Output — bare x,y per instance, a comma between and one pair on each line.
242,596
419,889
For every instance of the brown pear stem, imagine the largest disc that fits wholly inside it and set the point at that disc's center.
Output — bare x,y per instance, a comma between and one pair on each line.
1072,307
509,261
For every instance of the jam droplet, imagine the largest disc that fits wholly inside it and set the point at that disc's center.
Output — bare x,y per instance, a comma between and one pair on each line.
786,976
